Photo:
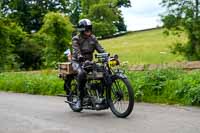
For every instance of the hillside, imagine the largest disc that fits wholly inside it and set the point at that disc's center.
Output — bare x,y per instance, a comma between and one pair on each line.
144,47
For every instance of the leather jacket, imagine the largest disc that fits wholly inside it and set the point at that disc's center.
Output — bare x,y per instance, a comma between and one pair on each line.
85,47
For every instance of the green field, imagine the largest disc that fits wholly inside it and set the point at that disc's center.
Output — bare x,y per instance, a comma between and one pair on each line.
144,47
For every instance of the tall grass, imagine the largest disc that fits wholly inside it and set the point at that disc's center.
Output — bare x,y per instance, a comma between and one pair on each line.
44,82
169,86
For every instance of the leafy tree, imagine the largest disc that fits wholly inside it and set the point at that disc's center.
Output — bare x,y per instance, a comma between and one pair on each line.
0,8
103,30
57,31
30,13
11,36
31,52
106,14
103,19
184,16
86,5
123,3
75,11
32,36
120,24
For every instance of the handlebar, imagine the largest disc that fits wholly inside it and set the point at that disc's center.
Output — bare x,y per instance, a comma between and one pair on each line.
102,55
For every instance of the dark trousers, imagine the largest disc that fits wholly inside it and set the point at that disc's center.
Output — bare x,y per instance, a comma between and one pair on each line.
81,77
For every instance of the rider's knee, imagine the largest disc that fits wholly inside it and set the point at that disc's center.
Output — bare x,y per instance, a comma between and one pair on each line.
81,75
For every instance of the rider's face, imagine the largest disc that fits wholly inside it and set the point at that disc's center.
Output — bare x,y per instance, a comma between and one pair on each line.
87,33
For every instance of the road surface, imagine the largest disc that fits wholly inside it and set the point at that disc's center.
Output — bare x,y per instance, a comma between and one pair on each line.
22,113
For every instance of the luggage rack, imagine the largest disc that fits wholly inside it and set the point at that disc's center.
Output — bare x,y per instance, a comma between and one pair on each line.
65,69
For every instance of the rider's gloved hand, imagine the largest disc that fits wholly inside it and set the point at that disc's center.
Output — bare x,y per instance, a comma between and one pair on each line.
88,65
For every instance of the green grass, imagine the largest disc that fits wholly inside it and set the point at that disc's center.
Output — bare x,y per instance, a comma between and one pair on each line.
144,47
40,82
169,86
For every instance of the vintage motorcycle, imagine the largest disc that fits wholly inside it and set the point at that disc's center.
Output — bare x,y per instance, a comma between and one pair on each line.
106,86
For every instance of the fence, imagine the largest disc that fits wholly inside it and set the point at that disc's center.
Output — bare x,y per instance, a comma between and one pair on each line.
191,65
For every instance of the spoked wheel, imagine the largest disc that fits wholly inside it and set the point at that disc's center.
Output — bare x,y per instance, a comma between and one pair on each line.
121,97
73,95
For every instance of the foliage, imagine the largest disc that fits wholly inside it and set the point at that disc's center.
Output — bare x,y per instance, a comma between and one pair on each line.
123,3
34,35
103,18
44,83
30,13
11,35
75,11
105,30
36,50
57,30
184,16
120,24
30,52
170,86
106,15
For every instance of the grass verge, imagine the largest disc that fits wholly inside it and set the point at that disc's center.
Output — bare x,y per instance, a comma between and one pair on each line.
43,82
169,86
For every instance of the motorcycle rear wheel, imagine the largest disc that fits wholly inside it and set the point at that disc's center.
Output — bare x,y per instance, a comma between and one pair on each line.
72,95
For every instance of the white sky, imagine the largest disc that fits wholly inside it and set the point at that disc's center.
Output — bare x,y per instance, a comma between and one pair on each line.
143,14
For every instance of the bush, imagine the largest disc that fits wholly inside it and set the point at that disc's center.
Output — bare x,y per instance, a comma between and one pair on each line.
167,86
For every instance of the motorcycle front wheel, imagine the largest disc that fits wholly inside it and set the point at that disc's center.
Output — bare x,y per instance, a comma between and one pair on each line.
121,97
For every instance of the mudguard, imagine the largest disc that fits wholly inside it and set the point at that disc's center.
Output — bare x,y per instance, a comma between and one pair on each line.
120,73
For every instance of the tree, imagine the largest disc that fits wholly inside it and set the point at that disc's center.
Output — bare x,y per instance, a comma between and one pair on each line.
0,8
29,13
57,30
120,23
75,11
105,14
123,3
32,36
11,35
31,52
103,19
184,16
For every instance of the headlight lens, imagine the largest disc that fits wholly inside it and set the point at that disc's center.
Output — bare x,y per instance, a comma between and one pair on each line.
112,63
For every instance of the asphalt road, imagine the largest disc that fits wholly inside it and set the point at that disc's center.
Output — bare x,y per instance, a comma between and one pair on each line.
21,113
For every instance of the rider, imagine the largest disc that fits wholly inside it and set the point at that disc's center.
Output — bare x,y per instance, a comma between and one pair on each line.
84,45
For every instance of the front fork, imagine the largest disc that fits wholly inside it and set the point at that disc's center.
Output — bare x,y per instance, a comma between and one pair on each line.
110,78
